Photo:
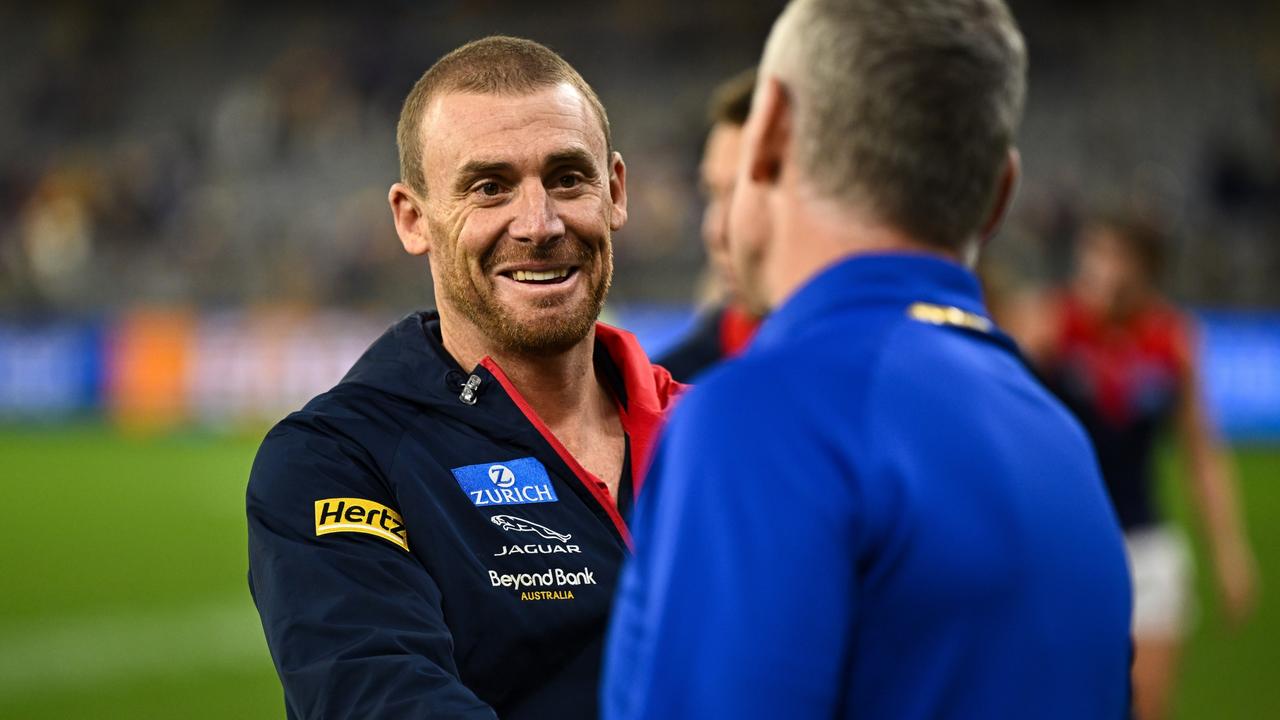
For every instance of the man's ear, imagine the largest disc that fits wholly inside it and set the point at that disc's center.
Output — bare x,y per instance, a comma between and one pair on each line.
768,131
407,210
1006,188
617,192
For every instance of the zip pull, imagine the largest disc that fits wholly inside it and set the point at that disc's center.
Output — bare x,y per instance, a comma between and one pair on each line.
468,396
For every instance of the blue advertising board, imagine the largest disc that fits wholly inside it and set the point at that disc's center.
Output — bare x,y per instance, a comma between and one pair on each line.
58,369
1240,361
51,370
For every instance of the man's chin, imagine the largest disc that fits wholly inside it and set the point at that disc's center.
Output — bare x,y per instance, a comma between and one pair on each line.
744,301
546,339
543,330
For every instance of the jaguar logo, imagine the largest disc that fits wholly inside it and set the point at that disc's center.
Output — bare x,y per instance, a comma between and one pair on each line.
511,523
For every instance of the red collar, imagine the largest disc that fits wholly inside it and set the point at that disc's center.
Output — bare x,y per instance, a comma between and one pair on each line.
736,330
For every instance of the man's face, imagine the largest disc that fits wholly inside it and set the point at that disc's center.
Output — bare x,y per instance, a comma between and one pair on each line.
718,171
749,235
521,199
1108,272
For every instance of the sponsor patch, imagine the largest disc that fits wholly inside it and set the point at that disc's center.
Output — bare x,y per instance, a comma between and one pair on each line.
537,549
555,578
511,523
547,595
512,482
335,515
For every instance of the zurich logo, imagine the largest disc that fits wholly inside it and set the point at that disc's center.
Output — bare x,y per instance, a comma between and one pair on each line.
510,482
502,476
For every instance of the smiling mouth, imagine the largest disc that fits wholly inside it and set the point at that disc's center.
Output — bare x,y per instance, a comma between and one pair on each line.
541,277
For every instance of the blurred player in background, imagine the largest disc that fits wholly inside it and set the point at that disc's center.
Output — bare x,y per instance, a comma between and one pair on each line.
876,511
724,329
1123,358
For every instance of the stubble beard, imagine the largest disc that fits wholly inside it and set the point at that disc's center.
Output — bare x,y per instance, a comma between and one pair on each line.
549,333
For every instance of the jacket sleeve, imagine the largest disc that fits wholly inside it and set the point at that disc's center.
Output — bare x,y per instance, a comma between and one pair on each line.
740,578
353,620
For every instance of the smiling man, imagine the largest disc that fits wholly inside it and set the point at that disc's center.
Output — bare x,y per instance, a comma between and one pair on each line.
440,534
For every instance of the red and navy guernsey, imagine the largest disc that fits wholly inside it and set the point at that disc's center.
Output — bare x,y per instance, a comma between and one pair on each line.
420,544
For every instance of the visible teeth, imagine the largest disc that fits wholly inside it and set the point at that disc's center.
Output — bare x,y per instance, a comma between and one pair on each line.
535,275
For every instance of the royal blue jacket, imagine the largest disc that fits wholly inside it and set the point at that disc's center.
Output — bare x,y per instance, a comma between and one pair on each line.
421,546
876,512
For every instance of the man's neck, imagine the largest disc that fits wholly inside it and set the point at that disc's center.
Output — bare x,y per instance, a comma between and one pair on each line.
566,393
561,387
832,233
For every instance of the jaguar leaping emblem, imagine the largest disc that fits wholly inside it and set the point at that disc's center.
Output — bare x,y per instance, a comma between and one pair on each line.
515,524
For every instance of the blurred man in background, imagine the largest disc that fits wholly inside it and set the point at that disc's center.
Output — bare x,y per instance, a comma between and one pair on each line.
440,534
1124,360
876,511
724,329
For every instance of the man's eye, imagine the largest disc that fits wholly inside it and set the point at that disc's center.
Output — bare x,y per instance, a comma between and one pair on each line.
568,181
489,189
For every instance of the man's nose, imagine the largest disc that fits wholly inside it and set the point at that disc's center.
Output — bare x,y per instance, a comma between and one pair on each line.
536,220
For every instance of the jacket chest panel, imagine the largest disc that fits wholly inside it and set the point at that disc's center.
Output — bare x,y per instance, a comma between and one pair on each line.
516,550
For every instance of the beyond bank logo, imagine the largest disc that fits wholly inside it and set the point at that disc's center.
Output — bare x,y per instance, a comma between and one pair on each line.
514,482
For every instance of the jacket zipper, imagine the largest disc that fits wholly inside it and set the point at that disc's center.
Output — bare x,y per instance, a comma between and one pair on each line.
468,395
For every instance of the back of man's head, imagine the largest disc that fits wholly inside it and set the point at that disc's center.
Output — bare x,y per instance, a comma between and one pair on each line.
731,100
495,65
904,109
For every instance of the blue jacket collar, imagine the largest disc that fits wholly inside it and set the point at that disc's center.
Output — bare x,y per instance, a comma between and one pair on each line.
874,279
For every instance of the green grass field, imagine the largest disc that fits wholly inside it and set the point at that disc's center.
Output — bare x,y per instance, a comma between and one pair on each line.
125,597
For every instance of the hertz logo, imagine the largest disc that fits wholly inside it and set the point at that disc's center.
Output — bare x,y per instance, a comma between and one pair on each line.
335,515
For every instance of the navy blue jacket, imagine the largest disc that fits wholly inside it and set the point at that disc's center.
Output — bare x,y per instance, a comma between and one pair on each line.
420,545
875,512
717,334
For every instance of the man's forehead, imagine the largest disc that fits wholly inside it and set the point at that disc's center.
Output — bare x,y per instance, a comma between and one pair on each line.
724,138
720,154
461,126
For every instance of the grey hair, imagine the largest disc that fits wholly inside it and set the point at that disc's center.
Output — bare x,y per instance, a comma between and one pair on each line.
903,108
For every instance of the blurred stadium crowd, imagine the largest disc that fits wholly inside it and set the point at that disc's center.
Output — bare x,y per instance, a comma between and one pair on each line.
219,153
179,180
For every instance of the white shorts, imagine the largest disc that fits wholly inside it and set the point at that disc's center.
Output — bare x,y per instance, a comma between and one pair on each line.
1161,567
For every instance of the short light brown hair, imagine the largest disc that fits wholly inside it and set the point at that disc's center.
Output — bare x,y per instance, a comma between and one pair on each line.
905,108
731,100
496,65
